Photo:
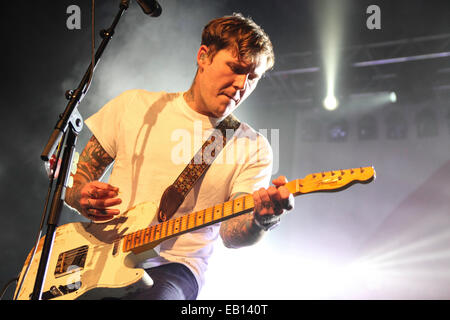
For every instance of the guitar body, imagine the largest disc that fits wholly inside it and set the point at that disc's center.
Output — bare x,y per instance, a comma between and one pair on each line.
87,261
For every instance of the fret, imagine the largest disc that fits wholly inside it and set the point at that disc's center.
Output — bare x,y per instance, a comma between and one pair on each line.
157,232
200,215
248,202
144,233
191,221
183,223
141,237
147,235
130,242
127,242
152,233
238,205
208,215
228,208
163,229
217,212
135,239
170,227
133,235
176,226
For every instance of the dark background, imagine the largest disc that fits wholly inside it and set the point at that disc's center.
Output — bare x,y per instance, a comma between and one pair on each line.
386,240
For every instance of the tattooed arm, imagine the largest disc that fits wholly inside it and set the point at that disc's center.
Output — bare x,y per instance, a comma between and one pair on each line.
88,196
240,231
269,204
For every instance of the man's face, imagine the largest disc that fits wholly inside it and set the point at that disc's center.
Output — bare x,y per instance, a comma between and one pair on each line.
225,82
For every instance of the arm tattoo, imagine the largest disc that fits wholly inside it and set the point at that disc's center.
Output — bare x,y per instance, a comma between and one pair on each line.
91,165
93,160
240,231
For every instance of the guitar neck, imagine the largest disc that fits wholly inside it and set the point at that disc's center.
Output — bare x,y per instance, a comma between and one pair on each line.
331,181
149,237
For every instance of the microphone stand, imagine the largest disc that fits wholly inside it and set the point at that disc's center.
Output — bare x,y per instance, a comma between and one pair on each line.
67,129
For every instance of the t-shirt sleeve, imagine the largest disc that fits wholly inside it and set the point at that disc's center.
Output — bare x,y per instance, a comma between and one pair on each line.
106,123
256,173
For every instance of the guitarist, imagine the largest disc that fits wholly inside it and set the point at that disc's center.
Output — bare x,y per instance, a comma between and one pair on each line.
136,131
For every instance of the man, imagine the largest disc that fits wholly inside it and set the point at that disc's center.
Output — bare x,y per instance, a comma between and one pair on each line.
136,131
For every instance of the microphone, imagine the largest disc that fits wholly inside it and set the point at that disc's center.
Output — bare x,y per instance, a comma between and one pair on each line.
150,7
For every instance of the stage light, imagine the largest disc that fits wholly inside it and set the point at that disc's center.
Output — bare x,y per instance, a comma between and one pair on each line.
330,36
393,97
330,103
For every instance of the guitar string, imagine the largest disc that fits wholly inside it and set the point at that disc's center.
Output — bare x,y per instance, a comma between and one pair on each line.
226,211
144,232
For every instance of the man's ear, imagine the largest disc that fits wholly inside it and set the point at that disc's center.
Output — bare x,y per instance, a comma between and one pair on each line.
202,56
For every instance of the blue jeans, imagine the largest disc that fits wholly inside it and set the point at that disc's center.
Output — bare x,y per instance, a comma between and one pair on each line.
173,281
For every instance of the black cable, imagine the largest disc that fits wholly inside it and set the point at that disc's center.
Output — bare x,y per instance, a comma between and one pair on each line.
6,287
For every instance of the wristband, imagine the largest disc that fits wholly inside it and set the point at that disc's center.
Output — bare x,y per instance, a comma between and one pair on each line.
266,226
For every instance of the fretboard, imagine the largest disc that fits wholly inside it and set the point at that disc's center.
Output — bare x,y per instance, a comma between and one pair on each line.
139,240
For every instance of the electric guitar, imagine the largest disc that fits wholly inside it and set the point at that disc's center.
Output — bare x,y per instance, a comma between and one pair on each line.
94,260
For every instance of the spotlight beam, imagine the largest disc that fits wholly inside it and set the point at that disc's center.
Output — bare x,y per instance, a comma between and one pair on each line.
391,256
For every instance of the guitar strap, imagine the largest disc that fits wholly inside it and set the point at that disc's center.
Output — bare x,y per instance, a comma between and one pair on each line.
175,194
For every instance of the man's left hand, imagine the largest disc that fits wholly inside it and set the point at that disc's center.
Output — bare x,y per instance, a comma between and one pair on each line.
272,202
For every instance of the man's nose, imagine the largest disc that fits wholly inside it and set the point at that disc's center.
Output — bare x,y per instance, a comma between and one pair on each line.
241,81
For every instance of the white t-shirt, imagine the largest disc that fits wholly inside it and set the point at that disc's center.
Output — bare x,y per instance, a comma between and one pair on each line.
152,136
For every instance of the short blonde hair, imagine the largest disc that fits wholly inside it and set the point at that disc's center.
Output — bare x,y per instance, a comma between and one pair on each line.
243,35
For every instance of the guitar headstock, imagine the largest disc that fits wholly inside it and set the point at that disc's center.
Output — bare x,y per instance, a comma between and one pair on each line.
331,181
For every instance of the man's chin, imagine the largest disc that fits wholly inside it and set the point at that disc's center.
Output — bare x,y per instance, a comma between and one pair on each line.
224,111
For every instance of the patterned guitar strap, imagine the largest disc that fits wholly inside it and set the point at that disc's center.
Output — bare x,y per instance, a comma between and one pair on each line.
174,195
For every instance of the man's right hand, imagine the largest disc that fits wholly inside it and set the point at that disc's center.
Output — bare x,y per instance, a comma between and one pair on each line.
96,199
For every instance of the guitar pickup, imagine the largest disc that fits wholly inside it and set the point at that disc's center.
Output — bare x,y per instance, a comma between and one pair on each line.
71,261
